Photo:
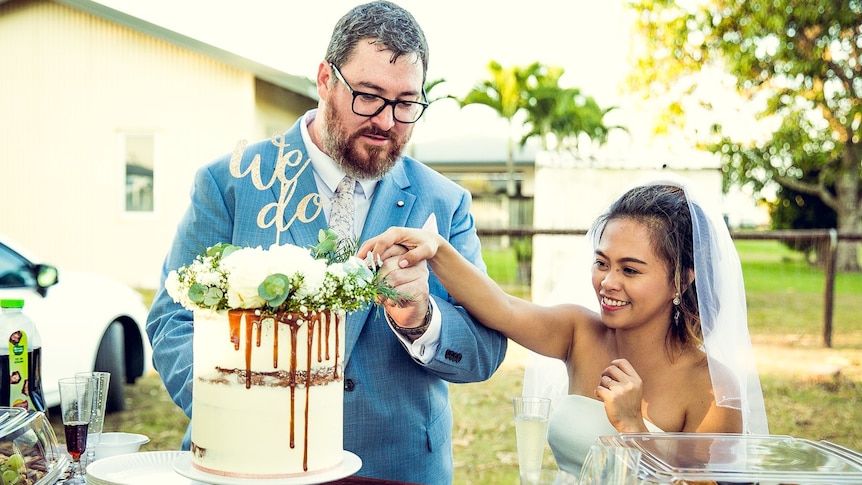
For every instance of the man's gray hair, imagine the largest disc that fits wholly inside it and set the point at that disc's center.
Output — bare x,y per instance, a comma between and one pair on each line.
384,22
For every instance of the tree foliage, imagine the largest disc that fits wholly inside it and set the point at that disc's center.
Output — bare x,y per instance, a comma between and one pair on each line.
559,117
799,60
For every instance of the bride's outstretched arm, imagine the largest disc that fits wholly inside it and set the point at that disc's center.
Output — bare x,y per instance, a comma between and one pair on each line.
545,330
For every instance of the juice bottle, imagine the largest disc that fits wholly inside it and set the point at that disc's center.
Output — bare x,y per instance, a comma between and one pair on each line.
20,358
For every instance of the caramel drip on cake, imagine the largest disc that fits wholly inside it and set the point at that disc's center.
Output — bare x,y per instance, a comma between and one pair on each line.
327,341
294,330
315,321
310,334
337,348
274,348
320,343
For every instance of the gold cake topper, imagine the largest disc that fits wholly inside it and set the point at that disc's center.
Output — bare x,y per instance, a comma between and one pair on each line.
273,214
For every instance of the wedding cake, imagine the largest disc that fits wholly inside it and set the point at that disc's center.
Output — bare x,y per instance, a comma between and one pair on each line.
268,393
269,332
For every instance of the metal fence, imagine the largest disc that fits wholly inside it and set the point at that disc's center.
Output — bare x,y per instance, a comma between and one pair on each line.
822,243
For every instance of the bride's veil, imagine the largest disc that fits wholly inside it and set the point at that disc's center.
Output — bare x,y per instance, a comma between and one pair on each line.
721,302
547,376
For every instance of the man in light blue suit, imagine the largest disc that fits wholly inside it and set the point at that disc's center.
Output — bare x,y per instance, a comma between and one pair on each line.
398,362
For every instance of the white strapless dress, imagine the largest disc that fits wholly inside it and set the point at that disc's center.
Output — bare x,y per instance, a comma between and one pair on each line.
576,423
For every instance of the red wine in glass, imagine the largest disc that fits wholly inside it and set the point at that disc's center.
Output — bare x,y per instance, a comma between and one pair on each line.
76,438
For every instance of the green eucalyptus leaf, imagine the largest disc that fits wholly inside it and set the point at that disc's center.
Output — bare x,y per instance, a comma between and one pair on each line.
229,249
196,292
274,286
217,249
213,296
327,235
326,246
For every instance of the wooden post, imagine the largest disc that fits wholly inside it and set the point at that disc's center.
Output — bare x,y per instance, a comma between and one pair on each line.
829,291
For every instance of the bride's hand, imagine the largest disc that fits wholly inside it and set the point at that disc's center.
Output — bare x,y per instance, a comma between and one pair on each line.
621,389
419,244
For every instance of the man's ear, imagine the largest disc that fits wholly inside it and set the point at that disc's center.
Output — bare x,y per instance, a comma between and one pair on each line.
324,74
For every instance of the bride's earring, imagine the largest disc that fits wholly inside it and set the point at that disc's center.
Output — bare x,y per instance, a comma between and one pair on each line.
676,300
676,312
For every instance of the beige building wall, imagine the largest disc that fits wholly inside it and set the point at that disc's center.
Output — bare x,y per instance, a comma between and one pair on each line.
73,86
276,109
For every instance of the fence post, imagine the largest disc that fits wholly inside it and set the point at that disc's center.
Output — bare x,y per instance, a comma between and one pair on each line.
829,291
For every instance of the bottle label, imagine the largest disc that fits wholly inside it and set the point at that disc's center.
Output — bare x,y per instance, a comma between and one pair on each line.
19,378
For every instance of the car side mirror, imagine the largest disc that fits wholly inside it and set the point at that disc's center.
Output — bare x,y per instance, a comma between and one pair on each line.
46,276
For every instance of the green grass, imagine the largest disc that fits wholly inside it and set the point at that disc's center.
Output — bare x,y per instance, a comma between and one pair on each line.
785,304
785,296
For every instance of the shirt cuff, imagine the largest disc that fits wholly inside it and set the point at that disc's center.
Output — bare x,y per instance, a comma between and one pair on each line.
424,348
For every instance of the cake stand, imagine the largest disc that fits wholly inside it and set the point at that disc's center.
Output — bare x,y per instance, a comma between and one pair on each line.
349,465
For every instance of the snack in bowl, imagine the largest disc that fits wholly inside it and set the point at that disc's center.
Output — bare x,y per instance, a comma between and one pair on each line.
269,332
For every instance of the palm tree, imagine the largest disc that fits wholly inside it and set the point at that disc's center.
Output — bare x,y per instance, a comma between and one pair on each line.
430,85
564,115
541,103
505,93
553,113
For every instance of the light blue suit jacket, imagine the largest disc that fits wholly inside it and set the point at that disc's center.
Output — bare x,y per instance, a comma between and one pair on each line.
397,417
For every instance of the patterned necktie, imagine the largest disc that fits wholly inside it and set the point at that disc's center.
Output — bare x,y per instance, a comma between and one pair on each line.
341,216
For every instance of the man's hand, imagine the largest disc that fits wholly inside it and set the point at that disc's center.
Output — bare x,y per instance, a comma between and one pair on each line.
412,282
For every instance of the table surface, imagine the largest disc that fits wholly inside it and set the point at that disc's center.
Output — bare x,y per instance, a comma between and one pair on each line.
344,481
352,480
368,481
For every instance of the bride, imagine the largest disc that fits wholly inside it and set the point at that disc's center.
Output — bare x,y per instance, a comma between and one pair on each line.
669,348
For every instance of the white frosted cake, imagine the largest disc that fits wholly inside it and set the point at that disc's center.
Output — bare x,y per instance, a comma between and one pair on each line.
268,395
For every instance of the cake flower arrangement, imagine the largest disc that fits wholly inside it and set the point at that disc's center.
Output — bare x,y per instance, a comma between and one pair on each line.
283,279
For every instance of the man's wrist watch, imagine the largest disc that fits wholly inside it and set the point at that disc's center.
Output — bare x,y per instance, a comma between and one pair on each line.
410,332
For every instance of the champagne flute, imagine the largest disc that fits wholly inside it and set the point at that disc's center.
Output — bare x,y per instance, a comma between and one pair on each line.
531,430
100,399
76,407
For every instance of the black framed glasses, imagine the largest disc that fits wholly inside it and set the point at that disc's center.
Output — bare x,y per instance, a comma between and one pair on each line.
368,104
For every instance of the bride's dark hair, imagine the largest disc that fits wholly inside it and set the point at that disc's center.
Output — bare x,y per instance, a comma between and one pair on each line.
665,212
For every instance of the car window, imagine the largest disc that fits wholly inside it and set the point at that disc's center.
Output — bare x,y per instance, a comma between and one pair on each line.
14,270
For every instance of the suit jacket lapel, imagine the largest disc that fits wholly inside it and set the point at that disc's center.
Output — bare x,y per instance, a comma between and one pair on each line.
391,204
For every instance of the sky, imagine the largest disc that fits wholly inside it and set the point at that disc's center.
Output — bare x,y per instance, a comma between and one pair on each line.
588,38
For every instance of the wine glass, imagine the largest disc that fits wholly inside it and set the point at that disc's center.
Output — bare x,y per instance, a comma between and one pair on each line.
76,407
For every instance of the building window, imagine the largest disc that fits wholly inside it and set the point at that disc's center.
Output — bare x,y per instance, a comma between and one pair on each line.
139,156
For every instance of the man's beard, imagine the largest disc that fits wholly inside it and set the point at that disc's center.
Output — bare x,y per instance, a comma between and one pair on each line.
346,153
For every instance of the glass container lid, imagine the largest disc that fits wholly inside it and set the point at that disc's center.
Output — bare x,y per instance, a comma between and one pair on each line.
738,458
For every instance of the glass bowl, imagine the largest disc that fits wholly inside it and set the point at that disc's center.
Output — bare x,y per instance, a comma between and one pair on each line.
29,447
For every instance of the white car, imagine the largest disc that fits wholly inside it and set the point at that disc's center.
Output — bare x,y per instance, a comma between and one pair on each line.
86,322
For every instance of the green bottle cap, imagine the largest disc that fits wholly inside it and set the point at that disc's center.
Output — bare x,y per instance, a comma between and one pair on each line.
11,303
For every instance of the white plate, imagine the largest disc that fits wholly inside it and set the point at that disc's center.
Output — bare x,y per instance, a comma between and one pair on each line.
349,465
145,468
